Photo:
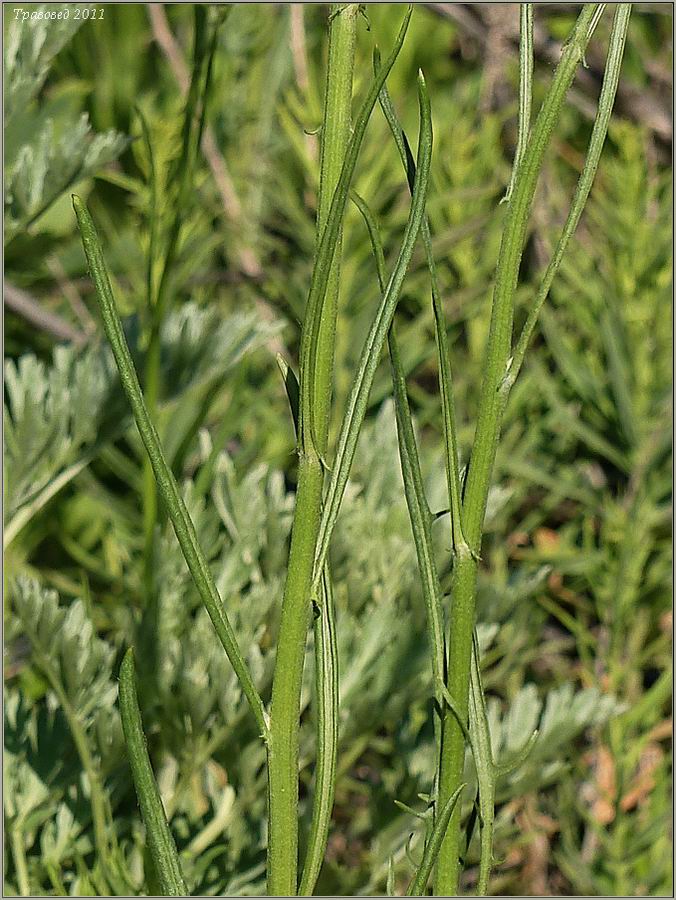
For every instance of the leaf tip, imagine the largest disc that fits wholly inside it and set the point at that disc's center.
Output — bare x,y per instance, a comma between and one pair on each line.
128,668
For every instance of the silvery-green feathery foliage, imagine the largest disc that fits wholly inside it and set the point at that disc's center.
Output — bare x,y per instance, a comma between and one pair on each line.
200,704
49,146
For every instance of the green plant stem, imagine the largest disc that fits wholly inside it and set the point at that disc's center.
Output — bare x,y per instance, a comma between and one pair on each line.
16,839
484,449
325,697
326,693
299,587
370,356
336,128
166,482
599,131
160,841
285,707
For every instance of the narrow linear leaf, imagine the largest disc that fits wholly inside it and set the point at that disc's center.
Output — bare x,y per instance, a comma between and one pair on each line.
519,757
485,766
180,518
440,327
525,89
292,389
414,490
160,841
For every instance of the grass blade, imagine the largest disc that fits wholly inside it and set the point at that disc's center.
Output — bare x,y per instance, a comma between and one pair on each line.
160,841
180,518
368,363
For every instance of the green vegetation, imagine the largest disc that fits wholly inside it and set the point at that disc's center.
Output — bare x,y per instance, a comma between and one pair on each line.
416,635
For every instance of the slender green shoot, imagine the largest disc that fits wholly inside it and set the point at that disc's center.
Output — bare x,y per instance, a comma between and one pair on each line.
441,330
497,356
370,355
326,693
323,262
316,367
160,841
611,79
166,482
418,508
525,89
303,576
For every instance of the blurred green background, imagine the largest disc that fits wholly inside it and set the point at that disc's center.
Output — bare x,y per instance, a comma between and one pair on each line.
575,586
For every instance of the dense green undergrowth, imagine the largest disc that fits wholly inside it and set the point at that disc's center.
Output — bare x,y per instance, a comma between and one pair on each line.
573,600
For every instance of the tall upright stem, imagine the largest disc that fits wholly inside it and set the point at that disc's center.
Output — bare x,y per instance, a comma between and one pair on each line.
336,130
286,688
497,355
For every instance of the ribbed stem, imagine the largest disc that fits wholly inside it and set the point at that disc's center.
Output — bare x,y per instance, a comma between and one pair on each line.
286,689
498,350
336,129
